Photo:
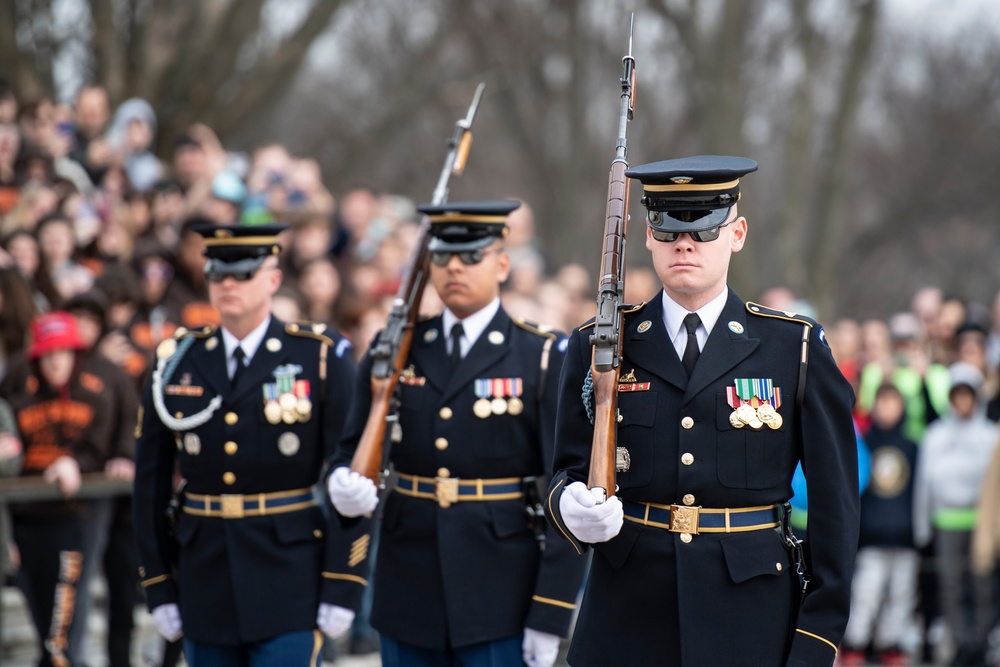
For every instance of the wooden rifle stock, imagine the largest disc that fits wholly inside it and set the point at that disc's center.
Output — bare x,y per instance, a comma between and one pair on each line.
390,351
607,339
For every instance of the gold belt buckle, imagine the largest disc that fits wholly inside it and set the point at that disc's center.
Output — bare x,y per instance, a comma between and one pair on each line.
446,490
232,506
684,519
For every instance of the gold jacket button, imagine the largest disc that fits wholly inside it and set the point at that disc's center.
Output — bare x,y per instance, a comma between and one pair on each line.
687,458
231,418
179,415
686,538
444,472
445,413
229,478
230,447
441,443
778,566
687,422
142,571
688,499
317,533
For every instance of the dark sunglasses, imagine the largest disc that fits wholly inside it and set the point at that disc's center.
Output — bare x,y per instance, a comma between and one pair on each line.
467,257
701,237
238,276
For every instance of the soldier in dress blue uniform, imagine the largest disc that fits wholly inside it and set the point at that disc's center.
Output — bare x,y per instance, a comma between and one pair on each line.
461,577
718,400
247,414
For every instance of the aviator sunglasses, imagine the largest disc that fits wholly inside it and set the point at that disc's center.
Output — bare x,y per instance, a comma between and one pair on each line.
238,276
467,257
701,236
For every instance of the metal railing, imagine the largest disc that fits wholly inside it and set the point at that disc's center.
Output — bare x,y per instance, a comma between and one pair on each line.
15,490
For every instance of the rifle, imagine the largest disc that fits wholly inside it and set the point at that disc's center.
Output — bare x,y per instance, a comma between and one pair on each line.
606,339
371,458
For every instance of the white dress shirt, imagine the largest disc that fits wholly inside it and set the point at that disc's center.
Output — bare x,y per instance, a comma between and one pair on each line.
673,320
250,343
474,325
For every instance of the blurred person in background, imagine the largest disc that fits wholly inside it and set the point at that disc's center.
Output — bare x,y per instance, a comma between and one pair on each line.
34,202
91,115
99,515
67,420
8,102
186,296
166,210
319,284
17,310
10,147
951,315
288,305
954,456
269,164
845,343
358,218
923,383
576,279
59,266
303,191
883,593
131,138
311,238
224,204
22,248
641,286
198,158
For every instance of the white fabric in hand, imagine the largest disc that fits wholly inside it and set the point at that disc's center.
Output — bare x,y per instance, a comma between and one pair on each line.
539,649
332,620
587,520
351,493
167,619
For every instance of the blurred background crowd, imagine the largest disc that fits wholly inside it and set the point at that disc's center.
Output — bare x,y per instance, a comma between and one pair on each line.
93,223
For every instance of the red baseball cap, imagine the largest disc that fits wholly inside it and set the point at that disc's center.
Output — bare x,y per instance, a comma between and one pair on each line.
53,331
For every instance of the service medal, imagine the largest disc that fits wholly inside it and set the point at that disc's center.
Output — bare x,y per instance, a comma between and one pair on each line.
289,416
776,422
481,408
515,406
765,412
735,420
498,405
304,407
756,424
287,402
272,412
288,444
746,413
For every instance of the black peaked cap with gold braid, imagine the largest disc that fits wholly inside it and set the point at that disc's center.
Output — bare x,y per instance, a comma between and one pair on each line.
691,194
238,248
462,226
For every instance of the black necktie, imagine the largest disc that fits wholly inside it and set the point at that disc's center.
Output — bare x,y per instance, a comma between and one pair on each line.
691,352
456,344
241,364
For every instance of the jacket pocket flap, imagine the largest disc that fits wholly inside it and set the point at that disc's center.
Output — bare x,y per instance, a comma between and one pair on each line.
617,549
302,526
754,554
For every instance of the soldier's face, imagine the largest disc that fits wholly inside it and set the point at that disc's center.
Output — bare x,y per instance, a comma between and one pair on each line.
467,288
236,299
690,270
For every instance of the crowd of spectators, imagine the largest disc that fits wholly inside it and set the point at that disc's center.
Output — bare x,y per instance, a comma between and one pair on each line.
94,223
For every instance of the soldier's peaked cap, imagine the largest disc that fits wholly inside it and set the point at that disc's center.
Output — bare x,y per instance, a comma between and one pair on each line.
236,248
461,226
691,194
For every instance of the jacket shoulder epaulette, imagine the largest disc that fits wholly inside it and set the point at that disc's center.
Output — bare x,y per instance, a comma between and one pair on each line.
543,330
169,346
314,330
203,332
764,311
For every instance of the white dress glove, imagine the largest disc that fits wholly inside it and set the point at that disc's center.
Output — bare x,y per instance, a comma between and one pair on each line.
351,493
333,620
167,619
539,649
587,520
